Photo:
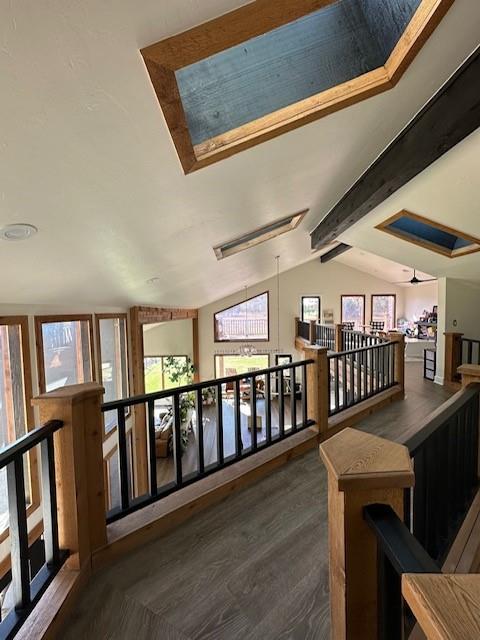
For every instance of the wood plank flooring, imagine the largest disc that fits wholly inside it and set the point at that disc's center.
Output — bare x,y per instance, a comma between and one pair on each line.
253,567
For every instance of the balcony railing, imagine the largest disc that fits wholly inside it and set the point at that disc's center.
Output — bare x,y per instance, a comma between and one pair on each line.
355,376
235,406
26,586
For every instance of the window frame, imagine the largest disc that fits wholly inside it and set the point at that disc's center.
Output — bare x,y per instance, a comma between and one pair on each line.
162,357
353,295
229,355
40,321
385,295
319,319
33,474
98,363
257,295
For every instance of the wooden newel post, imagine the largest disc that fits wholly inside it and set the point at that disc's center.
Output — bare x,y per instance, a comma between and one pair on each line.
362,470
453,355
317,386
338,338
78,468
313,332
399,340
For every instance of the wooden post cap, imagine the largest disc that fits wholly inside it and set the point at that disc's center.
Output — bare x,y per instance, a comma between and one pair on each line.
446,606
471,370
358,460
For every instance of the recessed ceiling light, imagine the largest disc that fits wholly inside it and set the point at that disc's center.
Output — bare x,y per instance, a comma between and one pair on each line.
14,232
153,280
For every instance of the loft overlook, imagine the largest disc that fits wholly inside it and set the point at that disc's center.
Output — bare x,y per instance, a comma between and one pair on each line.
239,327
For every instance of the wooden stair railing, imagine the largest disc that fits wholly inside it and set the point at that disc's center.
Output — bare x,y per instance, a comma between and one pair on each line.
386,541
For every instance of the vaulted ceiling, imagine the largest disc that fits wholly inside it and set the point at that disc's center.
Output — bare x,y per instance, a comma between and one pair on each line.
86,156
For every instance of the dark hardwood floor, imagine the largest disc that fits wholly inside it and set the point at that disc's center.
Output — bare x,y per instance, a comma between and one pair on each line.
253,567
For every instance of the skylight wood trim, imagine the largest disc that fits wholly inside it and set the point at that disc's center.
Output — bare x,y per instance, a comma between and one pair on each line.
424,22
424,244
255,19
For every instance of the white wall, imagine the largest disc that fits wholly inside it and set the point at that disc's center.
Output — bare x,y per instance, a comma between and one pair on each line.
328,280
418,298
459,311
173,338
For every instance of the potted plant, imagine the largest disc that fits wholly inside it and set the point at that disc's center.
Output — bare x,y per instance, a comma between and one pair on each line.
181,373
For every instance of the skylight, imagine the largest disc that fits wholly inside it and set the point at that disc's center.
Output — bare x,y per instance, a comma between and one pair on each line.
259,235
266,68
430,235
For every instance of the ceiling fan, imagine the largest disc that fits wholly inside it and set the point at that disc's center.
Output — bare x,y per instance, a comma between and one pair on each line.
416,280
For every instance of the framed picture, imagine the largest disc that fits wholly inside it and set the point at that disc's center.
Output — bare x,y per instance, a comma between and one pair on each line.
281,359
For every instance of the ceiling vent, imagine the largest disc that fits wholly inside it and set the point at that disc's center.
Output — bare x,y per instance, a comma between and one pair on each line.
262,234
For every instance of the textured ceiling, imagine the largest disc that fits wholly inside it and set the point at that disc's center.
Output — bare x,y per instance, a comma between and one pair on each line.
86,157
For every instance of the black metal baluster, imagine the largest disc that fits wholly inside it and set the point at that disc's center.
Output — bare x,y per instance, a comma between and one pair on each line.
18,533
293,401
281,404
220,453
337,384
122,460
253,412
470,352
359,376
200,443
177,440
268,408
419,497
238,421
352,359
49,502
390,609
151,448
377,369
304,395
344,381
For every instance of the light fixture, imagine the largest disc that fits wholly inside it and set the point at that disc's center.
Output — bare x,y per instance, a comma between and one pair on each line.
277,259
154,280
18,231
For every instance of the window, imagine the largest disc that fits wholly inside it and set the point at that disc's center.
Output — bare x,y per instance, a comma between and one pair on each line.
244,321
430,235
353,310
16,413
157,377
384,309
231,365
310,308
112,360
65,351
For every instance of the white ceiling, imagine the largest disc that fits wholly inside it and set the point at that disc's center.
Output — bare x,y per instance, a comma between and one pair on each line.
447,192
379,267
85,156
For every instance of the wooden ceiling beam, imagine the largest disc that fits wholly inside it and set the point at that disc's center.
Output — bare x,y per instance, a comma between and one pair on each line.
335,252
450,116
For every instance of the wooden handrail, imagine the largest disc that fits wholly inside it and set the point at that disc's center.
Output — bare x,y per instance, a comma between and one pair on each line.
447,607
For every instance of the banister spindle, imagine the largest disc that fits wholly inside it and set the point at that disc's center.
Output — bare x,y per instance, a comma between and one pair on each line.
18,533
49,501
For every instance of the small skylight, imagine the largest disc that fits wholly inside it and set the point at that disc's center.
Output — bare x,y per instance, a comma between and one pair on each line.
430,235
259,235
